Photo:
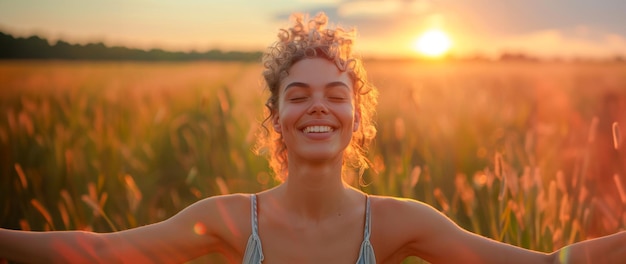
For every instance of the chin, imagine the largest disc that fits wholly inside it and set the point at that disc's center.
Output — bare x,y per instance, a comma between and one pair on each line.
320,154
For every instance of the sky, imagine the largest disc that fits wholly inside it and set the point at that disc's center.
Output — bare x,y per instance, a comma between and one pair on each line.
545,28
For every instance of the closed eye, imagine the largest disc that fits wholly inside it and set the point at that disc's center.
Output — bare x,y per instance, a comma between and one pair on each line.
297,99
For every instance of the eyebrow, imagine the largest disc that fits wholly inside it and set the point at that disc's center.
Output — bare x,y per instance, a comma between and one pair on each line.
304,85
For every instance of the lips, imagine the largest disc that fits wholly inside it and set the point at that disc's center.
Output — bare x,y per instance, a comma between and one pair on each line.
317,129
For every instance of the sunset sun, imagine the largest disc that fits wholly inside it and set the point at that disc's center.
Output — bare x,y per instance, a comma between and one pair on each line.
433,43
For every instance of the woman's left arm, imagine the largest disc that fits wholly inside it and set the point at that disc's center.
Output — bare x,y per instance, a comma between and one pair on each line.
439,240
606,249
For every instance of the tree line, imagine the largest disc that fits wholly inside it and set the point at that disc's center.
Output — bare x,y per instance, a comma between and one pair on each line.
35,47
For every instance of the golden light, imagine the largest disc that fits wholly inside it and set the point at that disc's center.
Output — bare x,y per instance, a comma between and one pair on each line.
433,43
199,228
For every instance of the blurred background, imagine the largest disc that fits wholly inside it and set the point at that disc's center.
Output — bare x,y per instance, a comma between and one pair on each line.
507,117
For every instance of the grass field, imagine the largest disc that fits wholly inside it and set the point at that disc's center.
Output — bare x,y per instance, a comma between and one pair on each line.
526,153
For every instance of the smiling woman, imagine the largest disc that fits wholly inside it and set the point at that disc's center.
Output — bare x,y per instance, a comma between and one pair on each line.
433,43
319,119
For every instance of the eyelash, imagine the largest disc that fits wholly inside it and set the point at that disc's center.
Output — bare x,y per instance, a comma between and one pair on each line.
334,98
296,99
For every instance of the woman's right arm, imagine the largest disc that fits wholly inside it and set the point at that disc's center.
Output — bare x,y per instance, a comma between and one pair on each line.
191,233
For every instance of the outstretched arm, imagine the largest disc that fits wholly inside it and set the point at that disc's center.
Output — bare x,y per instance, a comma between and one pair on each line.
175,240
607,249
439,240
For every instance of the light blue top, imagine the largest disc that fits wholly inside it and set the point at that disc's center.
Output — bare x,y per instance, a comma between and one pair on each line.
254,250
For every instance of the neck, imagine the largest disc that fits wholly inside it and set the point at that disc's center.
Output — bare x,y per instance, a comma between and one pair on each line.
315,191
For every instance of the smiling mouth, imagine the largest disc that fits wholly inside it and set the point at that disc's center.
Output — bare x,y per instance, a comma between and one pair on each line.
317,129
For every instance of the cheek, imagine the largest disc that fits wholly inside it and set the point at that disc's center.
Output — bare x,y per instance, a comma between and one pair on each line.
350,113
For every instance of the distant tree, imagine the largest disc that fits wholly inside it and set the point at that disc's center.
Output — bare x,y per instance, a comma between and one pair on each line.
35,47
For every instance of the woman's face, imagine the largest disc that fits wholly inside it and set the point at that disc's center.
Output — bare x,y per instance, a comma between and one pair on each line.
316,115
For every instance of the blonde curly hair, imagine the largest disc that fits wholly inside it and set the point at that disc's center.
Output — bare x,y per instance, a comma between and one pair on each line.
310,38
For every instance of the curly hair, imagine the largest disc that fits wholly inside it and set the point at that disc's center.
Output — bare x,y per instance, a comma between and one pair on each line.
310,38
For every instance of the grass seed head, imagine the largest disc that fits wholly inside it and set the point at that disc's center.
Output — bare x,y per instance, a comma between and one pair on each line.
617,137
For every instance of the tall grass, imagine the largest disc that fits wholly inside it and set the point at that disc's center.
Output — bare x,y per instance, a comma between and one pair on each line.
528,154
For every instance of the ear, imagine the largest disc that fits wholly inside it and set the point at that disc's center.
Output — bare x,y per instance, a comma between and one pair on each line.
276,124
357,120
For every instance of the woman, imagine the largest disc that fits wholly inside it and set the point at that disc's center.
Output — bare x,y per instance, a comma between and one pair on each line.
320,117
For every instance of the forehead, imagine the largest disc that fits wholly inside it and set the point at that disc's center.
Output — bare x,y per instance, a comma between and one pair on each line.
316,72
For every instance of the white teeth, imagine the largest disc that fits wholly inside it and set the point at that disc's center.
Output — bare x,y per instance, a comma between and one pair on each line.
317,129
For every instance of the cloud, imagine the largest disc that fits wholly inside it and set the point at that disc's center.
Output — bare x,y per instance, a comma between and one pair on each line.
390,8
360,11
376,18
533,15
325,2
553,42
368,8
377,9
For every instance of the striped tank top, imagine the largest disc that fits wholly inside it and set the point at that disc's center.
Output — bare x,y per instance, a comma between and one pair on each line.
254,250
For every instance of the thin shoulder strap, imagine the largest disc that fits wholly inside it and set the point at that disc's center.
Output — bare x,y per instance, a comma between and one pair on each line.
366,254
253,215
254,250
368,219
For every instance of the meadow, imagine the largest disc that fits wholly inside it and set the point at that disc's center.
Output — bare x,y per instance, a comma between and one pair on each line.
522,152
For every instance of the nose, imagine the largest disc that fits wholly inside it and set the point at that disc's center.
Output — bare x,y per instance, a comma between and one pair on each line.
318,107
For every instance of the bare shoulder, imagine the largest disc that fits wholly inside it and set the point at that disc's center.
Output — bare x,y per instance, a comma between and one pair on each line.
399,207
228,201
225,216
399,224
215,207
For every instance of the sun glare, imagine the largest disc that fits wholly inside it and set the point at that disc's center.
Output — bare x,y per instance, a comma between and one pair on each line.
433,43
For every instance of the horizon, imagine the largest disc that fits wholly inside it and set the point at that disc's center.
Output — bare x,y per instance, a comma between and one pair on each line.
505,56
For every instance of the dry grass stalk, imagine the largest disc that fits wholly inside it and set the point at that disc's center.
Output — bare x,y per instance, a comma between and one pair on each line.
91,203
97,210
26,123
560,181
64,215
565,210
21,175
132,192
415,176
620,188
221,185
67,198
498,165
441,198
617,136
24,225
42,210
